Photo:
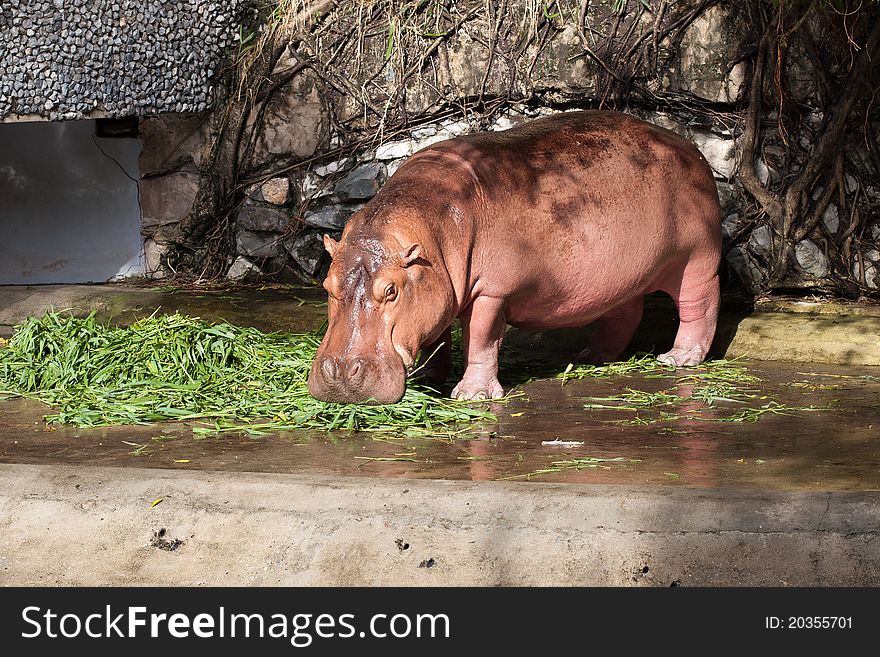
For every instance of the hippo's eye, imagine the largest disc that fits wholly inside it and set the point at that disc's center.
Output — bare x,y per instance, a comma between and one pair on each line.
390,292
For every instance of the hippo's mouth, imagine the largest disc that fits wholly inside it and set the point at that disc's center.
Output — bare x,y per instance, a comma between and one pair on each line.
409,360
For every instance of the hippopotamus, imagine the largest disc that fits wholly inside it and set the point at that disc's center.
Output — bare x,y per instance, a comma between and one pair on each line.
563,221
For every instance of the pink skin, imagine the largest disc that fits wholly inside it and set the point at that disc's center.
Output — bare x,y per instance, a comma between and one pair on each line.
562,222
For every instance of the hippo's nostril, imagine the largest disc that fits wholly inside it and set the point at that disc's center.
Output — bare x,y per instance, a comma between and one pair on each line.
329,368
356,370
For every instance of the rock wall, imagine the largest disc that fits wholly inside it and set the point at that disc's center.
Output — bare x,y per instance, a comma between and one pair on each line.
285,209
72,59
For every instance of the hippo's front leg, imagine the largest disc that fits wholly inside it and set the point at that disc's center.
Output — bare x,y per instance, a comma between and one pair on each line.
482,331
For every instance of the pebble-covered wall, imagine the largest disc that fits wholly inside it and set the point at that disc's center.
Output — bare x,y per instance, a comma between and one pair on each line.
71,59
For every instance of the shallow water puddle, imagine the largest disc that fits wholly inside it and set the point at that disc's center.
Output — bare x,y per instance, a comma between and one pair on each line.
544,435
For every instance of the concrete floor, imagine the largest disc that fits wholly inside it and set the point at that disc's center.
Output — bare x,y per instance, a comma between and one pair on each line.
76,525
790,500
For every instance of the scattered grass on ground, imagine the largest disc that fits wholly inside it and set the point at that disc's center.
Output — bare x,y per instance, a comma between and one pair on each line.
641,363
720,381
577,464
220,376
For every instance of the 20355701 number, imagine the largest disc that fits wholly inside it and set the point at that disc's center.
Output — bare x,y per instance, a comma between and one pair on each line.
808,623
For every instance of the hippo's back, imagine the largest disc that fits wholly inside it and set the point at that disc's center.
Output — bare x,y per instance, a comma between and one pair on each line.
585,147
574,165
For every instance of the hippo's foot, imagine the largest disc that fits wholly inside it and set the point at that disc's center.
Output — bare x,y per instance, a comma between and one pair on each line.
683,357
478,389
698,312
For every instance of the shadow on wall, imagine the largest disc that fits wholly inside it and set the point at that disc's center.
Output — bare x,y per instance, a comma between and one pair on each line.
69,213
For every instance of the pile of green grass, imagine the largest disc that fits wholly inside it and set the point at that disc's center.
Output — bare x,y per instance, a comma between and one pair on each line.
175,367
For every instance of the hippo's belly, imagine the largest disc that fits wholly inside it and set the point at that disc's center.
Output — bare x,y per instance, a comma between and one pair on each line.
579,301
599,262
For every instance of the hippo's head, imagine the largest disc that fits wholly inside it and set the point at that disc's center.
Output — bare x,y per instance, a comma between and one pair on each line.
388,296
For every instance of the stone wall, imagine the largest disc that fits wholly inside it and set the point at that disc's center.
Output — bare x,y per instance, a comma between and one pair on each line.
283,214
72,59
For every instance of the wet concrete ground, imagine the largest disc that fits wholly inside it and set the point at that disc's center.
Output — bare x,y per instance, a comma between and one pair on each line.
268,308
837,449
789,500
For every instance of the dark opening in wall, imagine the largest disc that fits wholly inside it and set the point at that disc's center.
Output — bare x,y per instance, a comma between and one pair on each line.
69,210
126,127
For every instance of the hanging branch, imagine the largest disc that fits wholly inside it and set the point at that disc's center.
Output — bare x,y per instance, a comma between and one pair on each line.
788,208
632,47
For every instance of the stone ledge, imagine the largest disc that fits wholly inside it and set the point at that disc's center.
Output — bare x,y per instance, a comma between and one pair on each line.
805,337
847,309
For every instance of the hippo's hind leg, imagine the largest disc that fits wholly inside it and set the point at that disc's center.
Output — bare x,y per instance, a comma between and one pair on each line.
698,299
436,359
613,332
483,327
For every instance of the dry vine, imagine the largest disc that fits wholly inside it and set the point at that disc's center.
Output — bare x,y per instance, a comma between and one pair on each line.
842,43
383,68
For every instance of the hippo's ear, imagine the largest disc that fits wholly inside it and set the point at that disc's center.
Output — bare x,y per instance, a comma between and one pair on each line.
330,244
411,253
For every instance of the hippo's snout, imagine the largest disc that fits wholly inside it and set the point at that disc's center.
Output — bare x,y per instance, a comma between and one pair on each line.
355,380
